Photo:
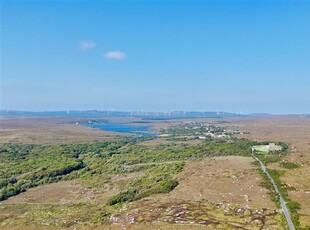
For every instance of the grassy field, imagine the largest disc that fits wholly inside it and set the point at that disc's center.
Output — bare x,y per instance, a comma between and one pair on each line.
261,149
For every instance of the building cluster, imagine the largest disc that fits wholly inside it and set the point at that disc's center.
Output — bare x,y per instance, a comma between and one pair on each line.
202,131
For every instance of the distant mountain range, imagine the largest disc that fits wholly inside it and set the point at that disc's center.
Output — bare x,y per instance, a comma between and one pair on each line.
113,113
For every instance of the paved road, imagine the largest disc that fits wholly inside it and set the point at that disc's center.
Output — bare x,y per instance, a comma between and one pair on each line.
283,205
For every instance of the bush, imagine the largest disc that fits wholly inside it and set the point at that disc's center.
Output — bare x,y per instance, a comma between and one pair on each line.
122,197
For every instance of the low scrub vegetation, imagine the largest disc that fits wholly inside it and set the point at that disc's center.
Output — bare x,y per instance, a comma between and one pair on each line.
289,165
99,164
26,166
158,179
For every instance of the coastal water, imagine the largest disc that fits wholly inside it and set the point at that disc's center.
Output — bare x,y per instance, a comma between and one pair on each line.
122,128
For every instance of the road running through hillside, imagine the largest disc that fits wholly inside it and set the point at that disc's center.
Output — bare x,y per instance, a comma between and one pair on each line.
283,205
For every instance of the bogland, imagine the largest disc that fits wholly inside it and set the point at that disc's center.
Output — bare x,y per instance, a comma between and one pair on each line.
149,169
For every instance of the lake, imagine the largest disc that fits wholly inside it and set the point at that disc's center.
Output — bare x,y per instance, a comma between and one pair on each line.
123,128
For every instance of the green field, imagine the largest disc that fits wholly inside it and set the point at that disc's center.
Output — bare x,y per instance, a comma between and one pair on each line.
261,149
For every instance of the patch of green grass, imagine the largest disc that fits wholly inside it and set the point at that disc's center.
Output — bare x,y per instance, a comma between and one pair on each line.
289,165
271,158
261,149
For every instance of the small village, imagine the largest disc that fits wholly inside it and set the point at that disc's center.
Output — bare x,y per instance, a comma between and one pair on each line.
199,130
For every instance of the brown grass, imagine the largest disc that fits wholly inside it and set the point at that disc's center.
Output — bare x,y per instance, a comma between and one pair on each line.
223,179
63,192
48,131
295,131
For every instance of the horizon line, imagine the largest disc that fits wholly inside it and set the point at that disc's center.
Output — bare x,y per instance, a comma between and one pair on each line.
137,112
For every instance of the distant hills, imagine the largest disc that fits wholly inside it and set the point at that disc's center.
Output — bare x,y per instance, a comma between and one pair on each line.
113,113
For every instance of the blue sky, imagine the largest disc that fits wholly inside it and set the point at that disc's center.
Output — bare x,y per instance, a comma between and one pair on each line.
230,55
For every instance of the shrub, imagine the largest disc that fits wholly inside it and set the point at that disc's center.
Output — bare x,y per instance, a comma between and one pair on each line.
122,197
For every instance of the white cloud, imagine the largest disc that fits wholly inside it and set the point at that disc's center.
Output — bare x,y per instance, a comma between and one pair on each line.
87,44
115,54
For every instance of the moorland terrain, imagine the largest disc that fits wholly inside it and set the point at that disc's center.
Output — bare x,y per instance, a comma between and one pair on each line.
56,174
